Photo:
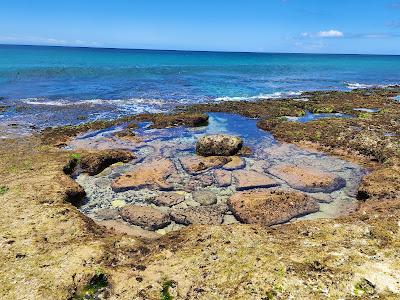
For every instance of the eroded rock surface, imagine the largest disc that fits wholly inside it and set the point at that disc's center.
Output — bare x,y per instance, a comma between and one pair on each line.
151,175
218,145
202,215
246,180
195,164
270,207
145,217
204,197
168,199
308,179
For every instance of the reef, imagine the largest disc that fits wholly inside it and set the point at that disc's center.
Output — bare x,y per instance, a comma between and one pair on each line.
52,250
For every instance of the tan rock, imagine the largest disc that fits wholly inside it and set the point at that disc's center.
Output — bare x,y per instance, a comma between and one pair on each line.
251,180
218,144
195,164
308,179
235,163
270,207
168,199
223,178
119,227
145,217
203,215
151,175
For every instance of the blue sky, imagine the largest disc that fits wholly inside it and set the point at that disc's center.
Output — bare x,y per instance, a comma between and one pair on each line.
316,26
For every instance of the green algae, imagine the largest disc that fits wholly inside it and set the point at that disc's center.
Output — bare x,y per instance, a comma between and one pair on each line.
3,190
165,294
96,284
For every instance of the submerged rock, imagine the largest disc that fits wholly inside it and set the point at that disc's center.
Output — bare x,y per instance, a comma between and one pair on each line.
270,207
235,163
223,178
195,164
168,199
246,180
219,145
204,197
151,175
203,215
308,179
145,217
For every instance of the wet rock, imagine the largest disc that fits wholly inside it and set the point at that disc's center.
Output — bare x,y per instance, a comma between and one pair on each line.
308,179
235,164
199,181
218,145
168,199
251,180
203,215
95,163
270,207
223,178
196,164
204,197
107,214
128,135
381,184
152,175
122,228
145,217
163,120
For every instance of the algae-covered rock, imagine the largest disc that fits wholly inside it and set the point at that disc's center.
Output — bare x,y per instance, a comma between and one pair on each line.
218,145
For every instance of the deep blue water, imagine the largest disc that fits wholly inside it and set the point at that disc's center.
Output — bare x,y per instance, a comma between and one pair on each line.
55,84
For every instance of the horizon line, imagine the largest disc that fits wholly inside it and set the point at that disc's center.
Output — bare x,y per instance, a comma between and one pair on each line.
200,51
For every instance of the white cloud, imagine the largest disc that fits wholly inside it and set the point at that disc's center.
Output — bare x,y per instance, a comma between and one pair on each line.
330,33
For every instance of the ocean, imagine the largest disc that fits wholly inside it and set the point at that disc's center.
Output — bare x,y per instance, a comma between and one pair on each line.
47,86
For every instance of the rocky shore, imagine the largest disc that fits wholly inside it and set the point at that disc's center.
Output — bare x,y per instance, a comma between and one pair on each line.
178,206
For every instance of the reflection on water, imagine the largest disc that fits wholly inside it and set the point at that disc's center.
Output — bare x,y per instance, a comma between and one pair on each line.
311,117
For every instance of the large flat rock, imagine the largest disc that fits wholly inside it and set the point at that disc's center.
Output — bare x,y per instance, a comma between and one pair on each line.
203,215
308,179
270,207
246,180
195,164
146,217
152,175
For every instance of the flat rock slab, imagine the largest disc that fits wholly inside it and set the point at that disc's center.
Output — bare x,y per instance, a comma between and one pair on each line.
123,228
146,217
204,197
308,179
195,164
202,215
168,199
223,178
219,144
270,207
199,181
236,163
246,180
152,175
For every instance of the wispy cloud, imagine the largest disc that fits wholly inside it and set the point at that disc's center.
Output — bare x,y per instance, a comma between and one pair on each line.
393,24
45,41
394,5
323,34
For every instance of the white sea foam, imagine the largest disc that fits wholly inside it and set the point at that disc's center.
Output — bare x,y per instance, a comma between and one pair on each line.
276,95
357,85
62,102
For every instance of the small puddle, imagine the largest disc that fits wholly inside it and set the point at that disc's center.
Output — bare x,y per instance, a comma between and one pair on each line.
367,110
174,143
311,117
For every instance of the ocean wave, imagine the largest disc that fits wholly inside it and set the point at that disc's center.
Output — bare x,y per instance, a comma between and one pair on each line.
62,102
356,85
276,95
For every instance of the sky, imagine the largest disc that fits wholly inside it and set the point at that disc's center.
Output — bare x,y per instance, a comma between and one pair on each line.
312,26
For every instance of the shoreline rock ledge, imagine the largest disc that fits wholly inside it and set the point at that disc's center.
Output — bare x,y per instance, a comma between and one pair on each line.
218,145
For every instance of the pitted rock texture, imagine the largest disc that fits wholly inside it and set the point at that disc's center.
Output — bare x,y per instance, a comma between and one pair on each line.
151,175
204,197
219,145
270,207
195,164
308,179
202,215
168,199
246,180
145,217
223,178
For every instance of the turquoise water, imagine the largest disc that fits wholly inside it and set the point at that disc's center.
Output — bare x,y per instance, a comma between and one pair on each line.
53,85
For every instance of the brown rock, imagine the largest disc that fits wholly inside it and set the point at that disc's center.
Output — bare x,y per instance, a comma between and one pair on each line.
308,179
168,199
218,145
95,163
128,135
235,163
145,217
383,183
203,215
223,178
270,207
204,197
199,181
151,175
107,214
251,180
122,228
196,164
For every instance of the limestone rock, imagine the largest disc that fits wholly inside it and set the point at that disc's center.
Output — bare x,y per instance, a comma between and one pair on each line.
219,145
270,207
202,215
223,178
168,199
196,164
308,179
151,175
251,180
204,197
145,217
